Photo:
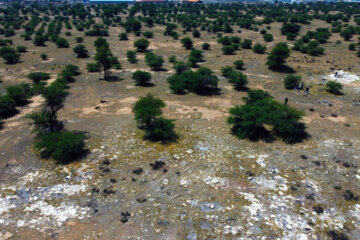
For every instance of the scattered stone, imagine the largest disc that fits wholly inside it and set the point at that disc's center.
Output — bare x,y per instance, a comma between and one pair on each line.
318,209
317,163
165,170
347,125
109,190
113,180
141,200
103,101
311,110
337,187
334,115
345,164
293,188
249,173
178,173
137,171
349,195
310,196
303,156
125,217
157,165
97,107
95,190
322,116
106,162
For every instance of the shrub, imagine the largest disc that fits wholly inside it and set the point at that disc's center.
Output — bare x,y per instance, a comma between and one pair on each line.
205,46
352,47
334,87
227,72
123,37
81,51
239,64
187,43
172,59
21,49
228,50
7,106
62,43
39,40
93,67
246,44
131,56
147,109
195,57
258,48
43,56
19,93
238,80
79,39
162,130
180,67
268,37
36,77
153,61
141,78
63,147
196,33
10,55
290,81
141,44
68,34
260,110
41,121
148,34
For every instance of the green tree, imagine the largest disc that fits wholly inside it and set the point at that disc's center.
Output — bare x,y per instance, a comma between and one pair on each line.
205,46
131,56
104,60
19,93
258,48
228,50
187,43
7,106
334,87
141,44
290,81
36,77
153,61
10,55
239,64
141,78
278,55
147,109
246,44
62,43
81,51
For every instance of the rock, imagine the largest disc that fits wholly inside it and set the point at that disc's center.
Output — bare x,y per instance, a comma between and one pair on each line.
165,181
6,236
141,200
349,195
125,217
157,165
334,115
137,171
189,151
303,156
318,209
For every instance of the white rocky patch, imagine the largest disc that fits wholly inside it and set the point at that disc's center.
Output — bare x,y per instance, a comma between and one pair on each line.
343,77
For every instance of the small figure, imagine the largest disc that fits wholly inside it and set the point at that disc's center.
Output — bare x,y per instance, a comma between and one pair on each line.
306,92
302,86
286,100
296,87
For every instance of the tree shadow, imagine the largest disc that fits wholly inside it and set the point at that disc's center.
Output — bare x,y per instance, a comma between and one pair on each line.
148,84
112,79
159,70
209,92
9,114
283,69
81,154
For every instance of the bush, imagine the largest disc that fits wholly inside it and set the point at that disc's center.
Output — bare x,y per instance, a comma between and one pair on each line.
19,93
131,56
141,44
205,46
228,50
153,61
268,37
246,44
196,33
63,147
187,43
7,106
239,64
227,72
260,110
172,59
180,67
238,80
79,39
43,56
290,81
278,55
258,48
21,49
10,55
39,40
123,37
162,130
148,34
147,109
203,81
93,67
62,43
352,47
334,87
81,51
36,77
141,78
